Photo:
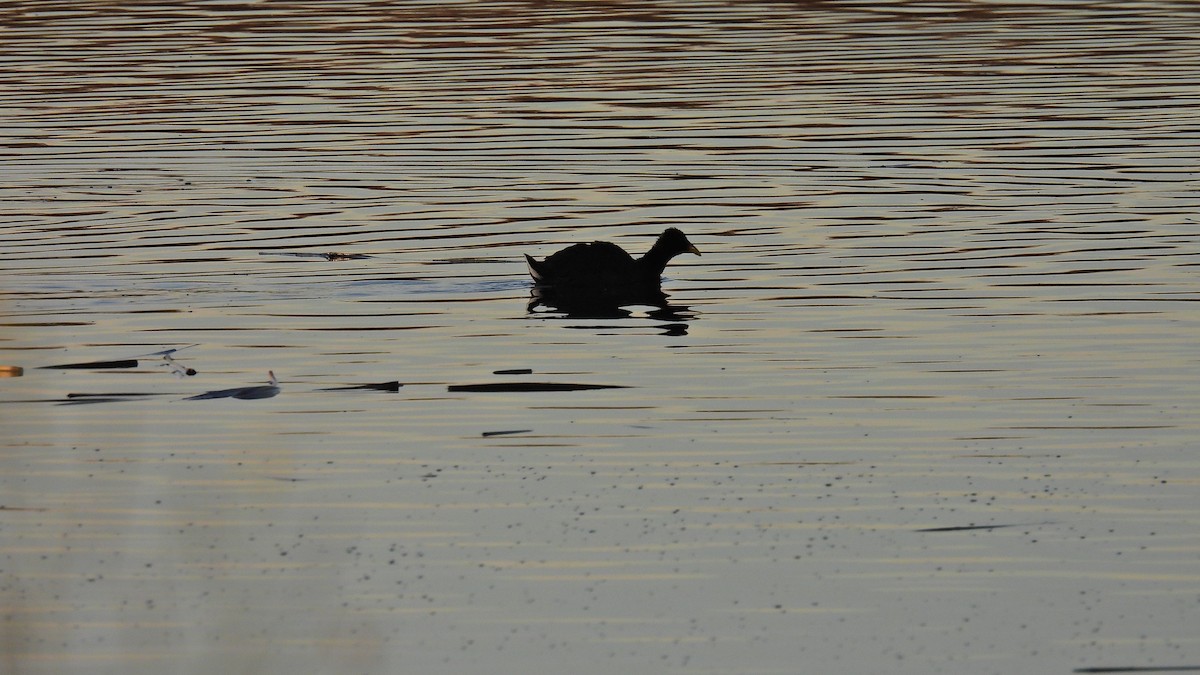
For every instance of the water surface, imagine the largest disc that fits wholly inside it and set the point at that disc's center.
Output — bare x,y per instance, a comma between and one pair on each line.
925,404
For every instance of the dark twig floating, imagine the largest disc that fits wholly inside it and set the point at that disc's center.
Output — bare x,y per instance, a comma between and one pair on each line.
115,397
394,385
967,528
1140,669
509,387
330,256
95,365
506,432
604,266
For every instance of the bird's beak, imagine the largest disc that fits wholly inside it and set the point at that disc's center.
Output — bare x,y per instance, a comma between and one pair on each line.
692,249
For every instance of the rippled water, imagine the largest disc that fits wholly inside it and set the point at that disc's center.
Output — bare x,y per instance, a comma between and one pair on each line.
925,404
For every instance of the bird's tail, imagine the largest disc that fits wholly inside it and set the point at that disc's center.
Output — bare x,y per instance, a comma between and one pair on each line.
533,268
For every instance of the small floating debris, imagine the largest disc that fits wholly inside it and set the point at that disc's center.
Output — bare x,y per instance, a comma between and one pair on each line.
514,371
489,434
331,256
177,368
11,371
245,393
394,385
496,387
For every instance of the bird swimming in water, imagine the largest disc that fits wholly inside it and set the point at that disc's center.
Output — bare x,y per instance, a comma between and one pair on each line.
603,266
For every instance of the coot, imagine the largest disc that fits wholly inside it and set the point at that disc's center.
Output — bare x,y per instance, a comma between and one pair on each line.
601,265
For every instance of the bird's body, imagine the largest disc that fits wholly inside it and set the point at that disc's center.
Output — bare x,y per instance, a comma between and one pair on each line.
604,266
597,263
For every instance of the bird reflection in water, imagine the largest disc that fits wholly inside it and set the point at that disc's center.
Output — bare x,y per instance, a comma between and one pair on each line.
552,302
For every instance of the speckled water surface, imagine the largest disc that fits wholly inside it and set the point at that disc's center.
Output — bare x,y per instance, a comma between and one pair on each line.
926,404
